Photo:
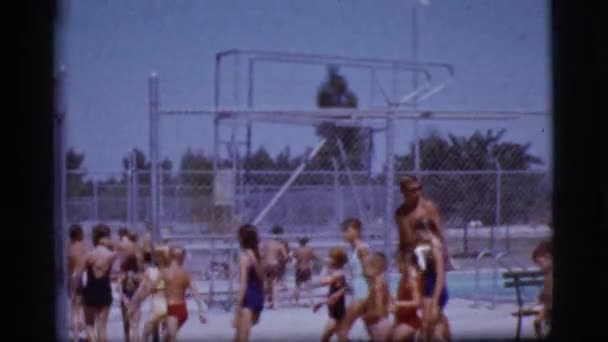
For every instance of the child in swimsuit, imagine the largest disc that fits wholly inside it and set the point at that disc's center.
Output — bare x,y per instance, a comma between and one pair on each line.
377,303
351,232
543,257
434,288
251,289
128,283
405,308
335,297
158,302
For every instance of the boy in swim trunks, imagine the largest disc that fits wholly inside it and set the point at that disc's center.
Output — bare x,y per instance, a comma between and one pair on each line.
304,256
273,253
376,308
337,287
177,281
543,257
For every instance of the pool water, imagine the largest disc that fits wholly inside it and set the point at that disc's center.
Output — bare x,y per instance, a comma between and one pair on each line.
462,285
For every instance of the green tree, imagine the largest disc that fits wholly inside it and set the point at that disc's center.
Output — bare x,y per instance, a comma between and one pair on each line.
196,170
464,197
143,167
334,93
76,186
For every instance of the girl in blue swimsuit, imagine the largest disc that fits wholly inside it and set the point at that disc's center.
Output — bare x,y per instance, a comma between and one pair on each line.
251,285
351,230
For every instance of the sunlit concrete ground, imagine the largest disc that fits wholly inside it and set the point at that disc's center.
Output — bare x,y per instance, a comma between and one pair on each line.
291,324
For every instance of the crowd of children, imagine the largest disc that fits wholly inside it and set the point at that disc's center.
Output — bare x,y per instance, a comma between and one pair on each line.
156,271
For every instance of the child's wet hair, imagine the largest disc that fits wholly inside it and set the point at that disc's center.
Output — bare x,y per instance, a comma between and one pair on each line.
160,256
248,239
100,231
178,253
303,241
353,223
378,261
338,257
122,232
76,233
543,249
132,236
277,230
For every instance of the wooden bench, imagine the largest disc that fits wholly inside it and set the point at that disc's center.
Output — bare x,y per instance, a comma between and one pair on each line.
519,280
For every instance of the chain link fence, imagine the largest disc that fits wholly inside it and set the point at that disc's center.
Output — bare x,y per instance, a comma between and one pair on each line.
317,201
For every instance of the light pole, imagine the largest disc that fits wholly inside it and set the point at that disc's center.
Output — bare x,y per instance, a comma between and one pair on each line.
414,40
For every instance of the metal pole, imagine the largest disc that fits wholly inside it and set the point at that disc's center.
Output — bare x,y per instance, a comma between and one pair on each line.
135,192
288,183
499,203
154,136
59,207
415,83
390,175
127,175
216,128
337,192
131,190
250,83
95,202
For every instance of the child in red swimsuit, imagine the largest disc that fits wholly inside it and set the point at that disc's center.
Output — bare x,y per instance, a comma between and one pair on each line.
409,300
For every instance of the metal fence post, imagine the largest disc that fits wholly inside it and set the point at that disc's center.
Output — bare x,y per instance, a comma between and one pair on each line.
337,192
59,207
135,195
154,133
95,202
390,175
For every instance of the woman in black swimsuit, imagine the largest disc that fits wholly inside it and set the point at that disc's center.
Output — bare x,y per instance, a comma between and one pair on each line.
97,292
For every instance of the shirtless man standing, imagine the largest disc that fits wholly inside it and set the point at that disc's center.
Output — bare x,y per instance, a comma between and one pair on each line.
411,212
97,292
177,281
278,230
273,253
76,253
304,256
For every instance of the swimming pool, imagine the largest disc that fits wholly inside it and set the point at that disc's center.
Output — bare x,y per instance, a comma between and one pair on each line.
462,285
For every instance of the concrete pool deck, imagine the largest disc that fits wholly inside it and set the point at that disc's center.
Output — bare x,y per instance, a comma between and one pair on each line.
300,324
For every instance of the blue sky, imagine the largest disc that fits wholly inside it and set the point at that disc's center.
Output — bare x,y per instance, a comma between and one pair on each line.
499,49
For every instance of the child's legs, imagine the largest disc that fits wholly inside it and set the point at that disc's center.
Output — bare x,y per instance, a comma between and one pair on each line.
125,321
89,319
381,331
441,329
404,332
102,323
243,325
151,326
76,318
172,326
135,319
329,331
354,311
